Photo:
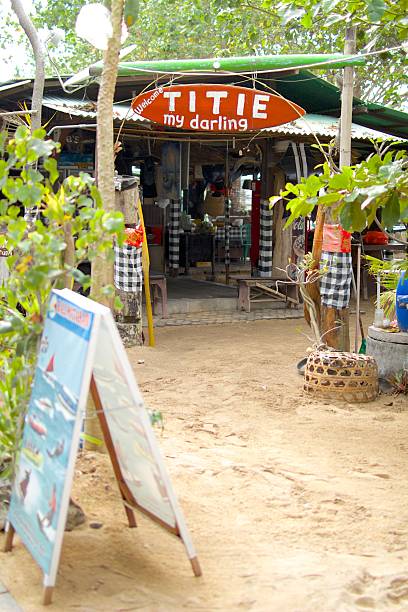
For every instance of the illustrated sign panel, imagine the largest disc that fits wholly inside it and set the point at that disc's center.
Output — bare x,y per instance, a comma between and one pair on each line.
129,428
37,508
215,108
81,350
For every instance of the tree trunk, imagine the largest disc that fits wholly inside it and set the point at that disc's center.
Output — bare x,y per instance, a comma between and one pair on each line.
313,289
38,87
102,270
339,337
335,327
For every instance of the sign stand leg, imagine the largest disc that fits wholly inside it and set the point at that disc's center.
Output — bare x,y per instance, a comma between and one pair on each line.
47,595
8,545
111,450
195,564
130,517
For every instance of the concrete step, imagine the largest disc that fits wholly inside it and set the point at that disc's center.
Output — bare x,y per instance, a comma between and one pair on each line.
189,306
222,317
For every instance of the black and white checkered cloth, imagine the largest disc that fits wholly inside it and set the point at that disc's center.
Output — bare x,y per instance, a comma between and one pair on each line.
265,240
234,234
174,234
128,275
336,283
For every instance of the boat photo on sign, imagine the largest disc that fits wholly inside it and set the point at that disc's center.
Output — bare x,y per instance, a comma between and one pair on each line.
215,108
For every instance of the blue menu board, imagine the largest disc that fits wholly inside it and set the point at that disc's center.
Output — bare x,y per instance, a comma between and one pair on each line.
42,484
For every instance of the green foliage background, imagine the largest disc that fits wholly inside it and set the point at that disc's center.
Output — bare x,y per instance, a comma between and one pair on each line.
206,28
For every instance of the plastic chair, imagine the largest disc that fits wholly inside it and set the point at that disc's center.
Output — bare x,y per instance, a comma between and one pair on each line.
245,231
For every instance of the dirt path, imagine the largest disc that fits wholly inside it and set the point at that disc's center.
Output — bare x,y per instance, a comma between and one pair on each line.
293,504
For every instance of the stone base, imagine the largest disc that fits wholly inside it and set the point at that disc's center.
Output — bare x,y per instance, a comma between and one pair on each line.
390,350
131,334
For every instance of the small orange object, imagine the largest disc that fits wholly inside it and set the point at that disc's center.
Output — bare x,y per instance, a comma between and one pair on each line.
134,236
375,237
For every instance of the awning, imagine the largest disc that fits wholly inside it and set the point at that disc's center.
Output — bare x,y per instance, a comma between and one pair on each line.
9,85
317,95
324,126
86,108
320,125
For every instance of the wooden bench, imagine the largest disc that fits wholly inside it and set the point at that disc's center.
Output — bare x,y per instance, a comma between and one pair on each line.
254,290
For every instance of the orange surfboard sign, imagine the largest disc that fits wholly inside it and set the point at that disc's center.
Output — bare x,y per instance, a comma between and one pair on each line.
215,108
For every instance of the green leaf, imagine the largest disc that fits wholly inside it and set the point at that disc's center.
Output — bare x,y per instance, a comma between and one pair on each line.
91,439
81,278
50,165
391,211
117,303
43,148
339,181
289,14
131,12
329,198
352,218
375,9
40,134
108,290
307,21
21,133
332,19
113,222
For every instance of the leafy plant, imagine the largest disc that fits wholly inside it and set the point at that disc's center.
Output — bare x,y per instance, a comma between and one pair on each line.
354,194
69,227
399,382
389,272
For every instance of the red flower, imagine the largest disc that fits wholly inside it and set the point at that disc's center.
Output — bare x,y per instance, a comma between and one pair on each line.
134,236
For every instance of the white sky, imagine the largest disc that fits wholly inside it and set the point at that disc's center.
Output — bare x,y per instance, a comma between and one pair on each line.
13,58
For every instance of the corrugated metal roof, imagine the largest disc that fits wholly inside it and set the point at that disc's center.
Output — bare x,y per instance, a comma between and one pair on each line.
322,125
13,85
85,108
317,95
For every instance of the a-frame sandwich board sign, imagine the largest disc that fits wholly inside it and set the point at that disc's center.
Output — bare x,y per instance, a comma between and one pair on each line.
81,351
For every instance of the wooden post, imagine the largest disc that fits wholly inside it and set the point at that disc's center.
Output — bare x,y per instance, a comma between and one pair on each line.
47,595
8,545
334,322
313,289
347,100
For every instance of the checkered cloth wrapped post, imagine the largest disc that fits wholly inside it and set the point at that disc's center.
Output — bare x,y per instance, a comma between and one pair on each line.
335,284
265,240
227,258
128,271
174,234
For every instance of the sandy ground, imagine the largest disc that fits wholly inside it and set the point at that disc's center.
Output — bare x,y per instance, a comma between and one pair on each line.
293,504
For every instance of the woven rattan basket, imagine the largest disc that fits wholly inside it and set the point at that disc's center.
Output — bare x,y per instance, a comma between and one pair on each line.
337,375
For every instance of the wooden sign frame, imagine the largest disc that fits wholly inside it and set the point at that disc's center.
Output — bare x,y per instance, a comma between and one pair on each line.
164,508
